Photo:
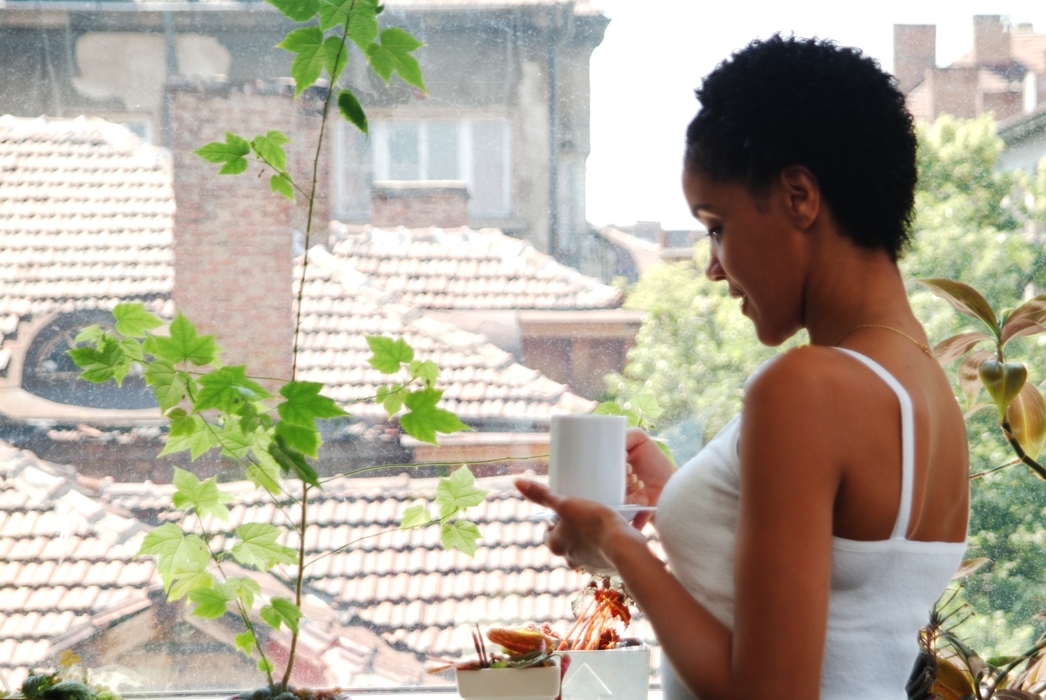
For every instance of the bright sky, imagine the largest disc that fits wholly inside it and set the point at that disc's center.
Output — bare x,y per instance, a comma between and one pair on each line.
656,51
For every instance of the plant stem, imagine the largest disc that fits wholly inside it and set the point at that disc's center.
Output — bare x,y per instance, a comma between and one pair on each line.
986,472
298,583
1019,451
565,644
379,534
428,464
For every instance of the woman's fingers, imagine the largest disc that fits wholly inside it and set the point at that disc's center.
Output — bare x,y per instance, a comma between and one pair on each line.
538,493
634,437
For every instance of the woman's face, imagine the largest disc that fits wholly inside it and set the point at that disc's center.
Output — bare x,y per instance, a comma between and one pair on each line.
755,249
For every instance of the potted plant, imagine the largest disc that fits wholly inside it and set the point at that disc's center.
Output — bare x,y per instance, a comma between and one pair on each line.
529,668
272,431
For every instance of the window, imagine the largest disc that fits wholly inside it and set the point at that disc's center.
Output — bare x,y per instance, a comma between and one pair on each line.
477,152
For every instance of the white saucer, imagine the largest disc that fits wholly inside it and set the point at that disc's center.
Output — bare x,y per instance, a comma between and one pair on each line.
628,511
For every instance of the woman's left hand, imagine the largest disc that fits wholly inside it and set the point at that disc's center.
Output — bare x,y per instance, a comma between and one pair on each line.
581,530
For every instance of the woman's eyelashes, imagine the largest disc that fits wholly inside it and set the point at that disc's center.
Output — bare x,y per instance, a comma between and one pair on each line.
716,233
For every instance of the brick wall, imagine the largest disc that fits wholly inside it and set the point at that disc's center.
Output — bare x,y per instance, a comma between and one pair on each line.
442,203
232,236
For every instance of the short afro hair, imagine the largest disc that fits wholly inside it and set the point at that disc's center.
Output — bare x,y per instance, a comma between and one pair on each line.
787,101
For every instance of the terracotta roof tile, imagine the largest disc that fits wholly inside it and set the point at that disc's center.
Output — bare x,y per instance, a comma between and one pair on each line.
462,269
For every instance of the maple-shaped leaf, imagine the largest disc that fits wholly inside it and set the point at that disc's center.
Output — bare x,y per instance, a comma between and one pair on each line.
189,578
282,184
245,641
231,153
297,10
337,57
458,492
212,602
415,516
89,334
174,550
281,611
169,385
425,420
227,389
181,423
362,17
202,496
183,344
197,443
304,440
305,404
270,148
393,55
133,320
427,372
234,442
132,348
310,59
263,470
107,360
258,547
292,461
460,535
387,354
245,589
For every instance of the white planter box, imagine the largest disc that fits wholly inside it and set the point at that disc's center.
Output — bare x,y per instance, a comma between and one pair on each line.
612,674
540,683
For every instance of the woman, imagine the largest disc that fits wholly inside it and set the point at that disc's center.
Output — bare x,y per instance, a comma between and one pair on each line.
807,542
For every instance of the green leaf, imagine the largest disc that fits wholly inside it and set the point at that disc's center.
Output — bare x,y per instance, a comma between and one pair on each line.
281,610
458,492
270,149
183,344
188,579
265,666
227,389
1003,380
461,535
89,334
305,440
245,641
282,184
608,408
198,443
1026,415
425,420
337,57
311,56
264,471
104,362
211,603
665,449
234,442
393,54
415,516
291,460
305,404
132,349
387,354
646,402
183,424
352,110
174,551
297,10
245,589
133,320
363,21
392,402
965,299
258,547
202,496
231,153
169,385
427,372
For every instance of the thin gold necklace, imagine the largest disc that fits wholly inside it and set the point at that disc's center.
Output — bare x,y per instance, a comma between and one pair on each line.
922,346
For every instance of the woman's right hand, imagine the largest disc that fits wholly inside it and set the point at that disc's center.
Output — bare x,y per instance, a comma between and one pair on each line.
649,469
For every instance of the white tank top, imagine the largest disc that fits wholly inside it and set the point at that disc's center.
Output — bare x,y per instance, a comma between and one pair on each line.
881,591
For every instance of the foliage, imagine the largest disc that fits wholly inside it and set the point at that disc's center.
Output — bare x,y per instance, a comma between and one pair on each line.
273,436
70,682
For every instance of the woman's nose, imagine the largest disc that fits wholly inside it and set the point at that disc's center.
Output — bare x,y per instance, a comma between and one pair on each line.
714,270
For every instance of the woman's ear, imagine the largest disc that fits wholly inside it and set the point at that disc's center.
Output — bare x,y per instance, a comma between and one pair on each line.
801,194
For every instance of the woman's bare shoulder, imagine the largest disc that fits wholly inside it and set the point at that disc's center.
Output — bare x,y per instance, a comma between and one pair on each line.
808,373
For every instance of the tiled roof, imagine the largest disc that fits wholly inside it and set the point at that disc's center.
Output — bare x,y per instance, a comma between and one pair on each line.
68,571
481,381
67,561
85,218
403,584
464,269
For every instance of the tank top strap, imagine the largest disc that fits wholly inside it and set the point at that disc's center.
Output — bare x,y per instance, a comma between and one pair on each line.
900,528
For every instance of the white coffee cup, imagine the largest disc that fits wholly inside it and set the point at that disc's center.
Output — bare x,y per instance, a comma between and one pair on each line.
587,458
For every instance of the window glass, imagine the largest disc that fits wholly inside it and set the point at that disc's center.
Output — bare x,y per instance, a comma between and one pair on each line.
443,152
404,151
490,166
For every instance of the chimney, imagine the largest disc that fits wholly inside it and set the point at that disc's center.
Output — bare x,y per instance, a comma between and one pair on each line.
232,236
419,204
914,50
991,41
